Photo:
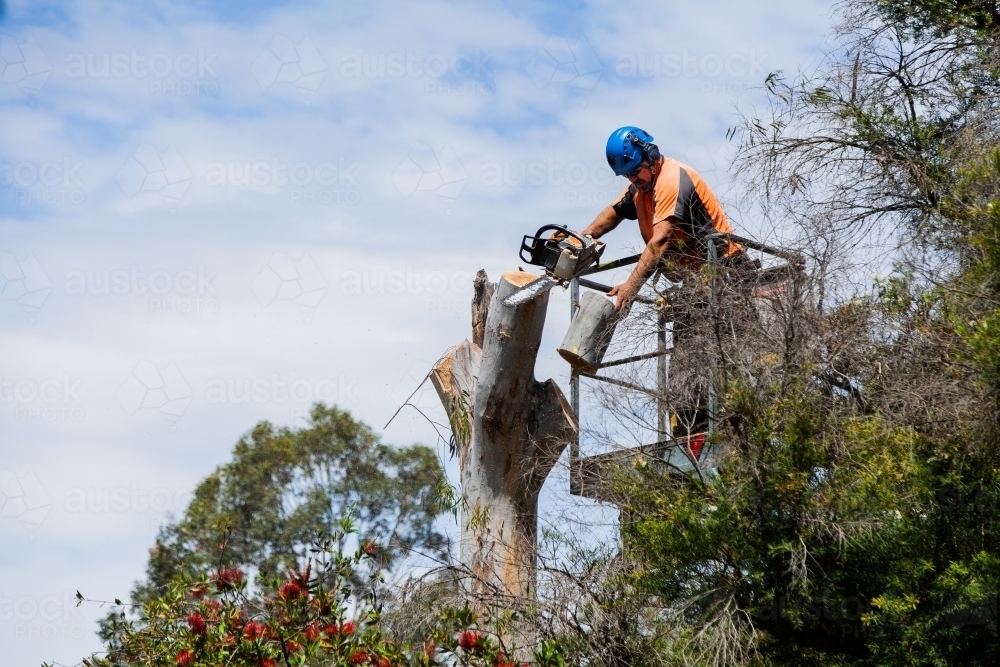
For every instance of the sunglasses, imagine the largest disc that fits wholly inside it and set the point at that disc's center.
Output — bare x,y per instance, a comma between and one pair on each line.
634,172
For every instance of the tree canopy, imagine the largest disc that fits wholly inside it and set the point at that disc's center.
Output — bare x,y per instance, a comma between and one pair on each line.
283,487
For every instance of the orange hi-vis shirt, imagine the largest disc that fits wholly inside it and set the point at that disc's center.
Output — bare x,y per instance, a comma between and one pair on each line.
681,199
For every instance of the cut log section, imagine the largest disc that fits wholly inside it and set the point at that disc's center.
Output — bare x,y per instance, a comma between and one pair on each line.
589,333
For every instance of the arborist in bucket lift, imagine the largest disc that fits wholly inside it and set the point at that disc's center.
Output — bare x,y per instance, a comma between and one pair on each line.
673,204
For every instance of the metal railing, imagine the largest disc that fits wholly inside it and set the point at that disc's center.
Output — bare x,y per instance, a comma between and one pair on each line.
795,261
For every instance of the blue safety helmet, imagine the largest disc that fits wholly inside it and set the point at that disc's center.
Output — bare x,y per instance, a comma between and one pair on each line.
626,148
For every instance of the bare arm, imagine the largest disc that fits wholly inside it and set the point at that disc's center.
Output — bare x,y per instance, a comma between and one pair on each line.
647,264
605,221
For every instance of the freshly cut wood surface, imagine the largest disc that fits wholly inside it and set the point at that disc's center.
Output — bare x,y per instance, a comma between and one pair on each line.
519,278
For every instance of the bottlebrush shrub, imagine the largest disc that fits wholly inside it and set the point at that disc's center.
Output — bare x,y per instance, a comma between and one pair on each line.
296,621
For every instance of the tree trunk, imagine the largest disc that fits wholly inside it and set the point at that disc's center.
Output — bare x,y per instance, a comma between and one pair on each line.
509,431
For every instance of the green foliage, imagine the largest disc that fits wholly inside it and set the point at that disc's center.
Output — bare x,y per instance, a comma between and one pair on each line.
317,615
942,16
826,538
284,486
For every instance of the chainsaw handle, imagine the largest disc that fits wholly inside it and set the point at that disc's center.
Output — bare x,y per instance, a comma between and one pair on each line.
535,247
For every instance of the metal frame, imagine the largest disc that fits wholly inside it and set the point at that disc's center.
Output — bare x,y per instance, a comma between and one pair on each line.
664,443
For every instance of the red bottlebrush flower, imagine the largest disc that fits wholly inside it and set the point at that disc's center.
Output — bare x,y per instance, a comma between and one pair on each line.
382,661
196,622
369,547
293,647
331,630
311,632
253,630
359,657
198,591
348,628
290,590
185,657
228,578
268,662
229,639
469,640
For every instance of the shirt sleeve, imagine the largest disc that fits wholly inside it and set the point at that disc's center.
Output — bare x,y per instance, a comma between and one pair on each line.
625,206
668,186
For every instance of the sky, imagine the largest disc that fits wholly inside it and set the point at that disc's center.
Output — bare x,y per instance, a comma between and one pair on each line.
214,213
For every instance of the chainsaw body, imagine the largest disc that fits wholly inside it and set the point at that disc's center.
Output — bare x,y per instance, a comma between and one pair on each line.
562,258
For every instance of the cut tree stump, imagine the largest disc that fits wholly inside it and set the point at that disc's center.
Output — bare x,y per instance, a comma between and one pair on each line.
509,430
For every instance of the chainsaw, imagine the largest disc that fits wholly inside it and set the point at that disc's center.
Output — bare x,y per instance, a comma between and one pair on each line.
564,255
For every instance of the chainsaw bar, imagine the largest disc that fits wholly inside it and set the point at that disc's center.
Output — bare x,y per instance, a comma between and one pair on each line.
530,291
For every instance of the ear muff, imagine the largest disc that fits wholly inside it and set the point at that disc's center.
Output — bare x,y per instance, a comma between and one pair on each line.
651,151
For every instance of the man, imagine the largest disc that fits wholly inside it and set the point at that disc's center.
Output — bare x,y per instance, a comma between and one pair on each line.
674,206
676,210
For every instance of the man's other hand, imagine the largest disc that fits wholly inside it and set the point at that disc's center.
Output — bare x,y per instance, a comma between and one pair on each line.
625,293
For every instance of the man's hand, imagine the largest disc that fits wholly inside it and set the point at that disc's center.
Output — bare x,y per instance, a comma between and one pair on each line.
625,293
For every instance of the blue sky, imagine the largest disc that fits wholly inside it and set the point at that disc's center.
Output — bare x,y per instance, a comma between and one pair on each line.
202,195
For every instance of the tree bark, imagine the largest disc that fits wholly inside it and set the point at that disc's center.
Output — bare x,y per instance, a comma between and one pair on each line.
483,292
517,429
